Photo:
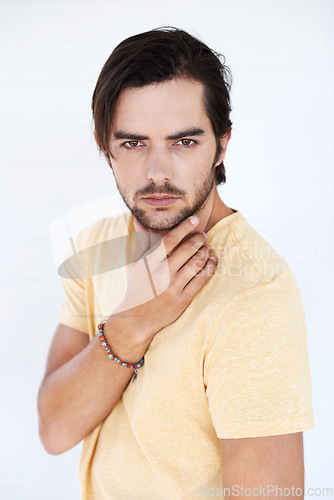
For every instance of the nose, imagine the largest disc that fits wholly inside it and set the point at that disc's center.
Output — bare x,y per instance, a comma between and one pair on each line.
159,165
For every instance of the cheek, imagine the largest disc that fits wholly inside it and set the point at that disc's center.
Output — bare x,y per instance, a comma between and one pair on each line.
201,166
205,155
128,167
122,171
128,180
121,179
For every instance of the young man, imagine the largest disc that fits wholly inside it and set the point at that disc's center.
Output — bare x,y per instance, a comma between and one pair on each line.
224,392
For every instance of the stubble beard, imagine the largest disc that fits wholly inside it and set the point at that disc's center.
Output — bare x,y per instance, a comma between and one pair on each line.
169,221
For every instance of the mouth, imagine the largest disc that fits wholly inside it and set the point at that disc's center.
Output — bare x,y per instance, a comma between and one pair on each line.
160,200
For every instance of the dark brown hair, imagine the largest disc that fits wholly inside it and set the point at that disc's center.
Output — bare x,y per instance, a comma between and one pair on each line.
157,56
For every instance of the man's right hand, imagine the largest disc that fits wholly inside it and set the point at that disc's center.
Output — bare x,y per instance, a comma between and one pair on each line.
162,281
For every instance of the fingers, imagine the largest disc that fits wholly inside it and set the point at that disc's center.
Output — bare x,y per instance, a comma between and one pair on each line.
176,235
186,250
188,265
199,280
197,266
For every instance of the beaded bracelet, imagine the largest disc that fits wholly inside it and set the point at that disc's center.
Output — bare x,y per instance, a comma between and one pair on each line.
111,356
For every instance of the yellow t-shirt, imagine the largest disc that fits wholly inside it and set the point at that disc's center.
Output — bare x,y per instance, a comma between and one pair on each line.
233,365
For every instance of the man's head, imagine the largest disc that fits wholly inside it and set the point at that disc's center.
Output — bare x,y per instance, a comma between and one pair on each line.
154,86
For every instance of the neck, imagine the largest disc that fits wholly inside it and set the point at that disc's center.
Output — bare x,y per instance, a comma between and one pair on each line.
214,210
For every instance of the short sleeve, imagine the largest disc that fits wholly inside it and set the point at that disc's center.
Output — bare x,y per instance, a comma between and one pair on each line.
256,367
74,310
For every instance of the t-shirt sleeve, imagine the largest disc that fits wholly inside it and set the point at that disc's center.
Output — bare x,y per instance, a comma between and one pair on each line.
256,367
74,309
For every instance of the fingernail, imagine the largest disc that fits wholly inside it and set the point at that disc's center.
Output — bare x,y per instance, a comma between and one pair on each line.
194,220
214,258
204,234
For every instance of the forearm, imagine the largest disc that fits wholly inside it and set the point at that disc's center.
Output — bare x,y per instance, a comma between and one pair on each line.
79,395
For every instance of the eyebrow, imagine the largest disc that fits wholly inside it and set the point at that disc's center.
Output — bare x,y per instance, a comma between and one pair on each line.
191,132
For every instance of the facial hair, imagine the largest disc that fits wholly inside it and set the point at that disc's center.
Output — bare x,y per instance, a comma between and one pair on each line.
171,220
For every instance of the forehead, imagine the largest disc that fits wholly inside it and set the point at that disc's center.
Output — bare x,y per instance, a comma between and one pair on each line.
175,104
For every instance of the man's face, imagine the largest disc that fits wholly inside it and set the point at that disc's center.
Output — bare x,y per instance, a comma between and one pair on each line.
163,149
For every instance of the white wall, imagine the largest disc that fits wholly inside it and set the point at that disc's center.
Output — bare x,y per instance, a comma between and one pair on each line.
279,175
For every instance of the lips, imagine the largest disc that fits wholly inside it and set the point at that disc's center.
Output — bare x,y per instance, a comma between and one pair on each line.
160,200
153,197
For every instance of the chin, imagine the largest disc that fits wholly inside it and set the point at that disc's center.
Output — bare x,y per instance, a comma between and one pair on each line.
161,220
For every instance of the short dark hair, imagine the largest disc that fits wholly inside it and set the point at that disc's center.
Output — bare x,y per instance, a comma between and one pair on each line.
157,56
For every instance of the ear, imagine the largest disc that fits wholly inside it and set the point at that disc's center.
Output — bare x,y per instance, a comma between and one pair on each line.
223,146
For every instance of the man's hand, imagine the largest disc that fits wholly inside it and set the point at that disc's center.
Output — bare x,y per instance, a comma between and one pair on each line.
164,277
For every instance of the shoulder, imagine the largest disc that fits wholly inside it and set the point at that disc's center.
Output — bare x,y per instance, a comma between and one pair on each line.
247,260
103,230
95,248
256,292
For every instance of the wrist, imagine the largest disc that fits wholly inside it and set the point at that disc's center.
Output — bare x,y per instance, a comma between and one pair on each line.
113,357
126,342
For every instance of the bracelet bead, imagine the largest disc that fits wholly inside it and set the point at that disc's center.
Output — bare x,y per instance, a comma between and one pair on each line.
112,357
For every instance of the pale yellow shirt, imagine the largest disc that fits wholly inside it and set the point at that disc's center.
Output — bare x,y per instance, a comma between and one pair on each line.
233,365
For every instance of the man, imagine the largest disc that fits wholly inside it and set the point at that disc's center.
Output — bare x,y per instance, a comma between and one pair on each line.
224,392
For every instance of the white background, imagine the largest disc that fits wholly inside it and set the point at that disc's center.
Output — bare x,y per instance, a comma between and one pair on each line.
279,175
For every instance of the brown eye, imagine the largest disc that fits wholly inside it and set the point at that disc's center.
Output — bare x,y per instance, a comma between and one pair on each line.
132,145
186,142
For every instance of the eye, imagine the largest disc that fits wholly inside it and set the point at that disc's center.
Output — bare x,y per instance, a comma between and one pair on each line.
186,142
131,144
